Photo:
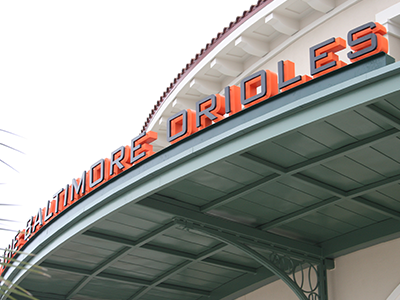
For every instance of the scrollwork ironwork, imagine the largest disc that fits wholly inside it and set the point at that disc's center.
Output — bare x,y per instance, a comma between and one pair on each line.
303,273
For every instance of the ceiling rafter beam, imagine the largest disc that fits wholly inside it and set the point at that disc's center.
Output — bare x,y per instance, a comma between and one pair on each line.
208,261
367,142
152,235
362,144
64,268
177,269
271,239
173,252
79,271
373,186
188,225
298,214
296,169
173,287
107,262
361,238
176,253
353,193
356,194
230,266
45,296
280,172
111,238
270,165
379,208
385,116
144,290
184,289
323,186
123,279
330,264
232,239
138,243
117,256
237,193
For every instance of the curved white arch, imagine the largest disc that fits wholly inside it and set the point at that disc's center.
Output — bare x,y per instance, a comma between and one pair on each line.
395,295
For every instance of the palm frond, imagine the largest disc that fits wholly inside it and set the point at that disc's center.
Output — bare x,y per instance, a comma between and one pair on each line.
15,289
7,288
12,133
8,165
23,265
12,148
6,220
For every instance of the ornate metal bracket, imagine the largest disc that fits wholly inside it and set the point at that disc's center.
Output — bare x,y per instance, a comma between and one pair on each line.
310,277
305,275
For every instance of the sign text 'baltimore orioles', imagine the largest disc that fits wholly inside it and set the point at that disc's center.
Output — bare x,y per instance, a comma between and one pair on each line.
364,41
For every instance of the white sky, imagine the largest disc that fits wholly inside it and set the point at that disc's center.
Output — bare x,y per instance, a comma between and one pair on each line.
79,78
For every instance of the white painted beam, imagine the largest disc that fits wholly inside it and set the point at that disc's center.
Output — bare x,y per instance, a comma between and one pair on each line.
321,5
162,123
161,128
388,18
282,24
393,29
226,67
161,141
204,86
252,46
180,104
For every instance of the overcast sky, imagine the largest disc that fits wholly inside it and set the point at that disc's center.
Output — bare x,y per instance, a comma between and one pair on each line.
79,78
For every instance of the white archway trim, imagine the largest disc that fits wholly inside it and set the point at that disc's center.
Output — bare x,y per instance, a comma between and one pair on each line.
390,18
395,295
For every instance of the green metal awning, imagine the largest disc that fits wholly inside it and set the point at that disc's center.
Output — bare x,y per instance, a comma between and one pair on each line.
287,184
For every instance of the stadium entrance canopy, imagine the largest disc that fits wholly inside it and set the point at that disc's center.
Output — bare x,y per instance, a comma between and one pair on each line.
276,191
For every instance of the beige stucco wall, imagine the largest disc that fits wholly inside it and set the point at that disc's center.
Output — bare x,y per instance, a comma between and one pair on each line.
369,274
